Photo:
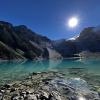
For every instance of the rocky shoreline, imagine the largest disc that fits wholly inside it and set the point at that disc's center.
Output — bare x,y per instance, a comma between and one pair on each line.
52,86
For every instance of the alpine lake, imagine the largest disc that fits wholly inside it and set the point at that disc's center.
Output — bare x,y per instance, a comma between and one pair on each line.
77,74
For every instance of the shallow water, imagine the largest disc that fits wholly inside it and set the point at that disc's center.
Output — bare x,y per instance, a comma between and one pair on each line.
15,70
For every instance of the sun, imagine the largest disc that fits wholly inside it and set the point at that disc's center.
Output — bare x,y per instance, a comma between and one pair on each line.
73,22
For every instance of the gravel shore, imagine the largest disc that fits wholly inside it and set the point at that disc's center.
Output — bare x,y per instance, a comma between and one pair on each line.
52,86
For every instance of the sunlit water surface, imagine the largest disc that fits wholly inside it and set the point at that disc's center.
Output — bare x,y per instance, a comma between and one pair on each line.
15,70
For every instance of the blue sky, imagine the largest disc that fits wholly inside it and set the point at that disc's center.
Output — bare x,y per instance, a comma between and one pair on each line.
49,17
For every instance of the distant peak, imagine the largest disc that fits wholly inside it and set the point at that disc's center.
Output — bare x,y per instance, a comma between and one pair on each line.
3,23
74,38
21,27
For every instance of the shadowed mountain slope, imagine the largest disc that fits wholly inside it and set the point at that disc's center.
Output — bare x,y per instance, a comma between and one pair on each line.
19,42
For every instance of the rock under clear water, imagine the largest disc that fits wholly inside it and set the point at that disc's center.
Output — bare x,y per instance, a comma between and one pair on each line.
48,86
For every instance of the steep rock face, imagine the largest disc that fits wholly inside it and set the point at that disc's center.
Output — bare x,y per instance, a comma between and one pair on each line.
65,48
26,34
88,40
8,53
22,40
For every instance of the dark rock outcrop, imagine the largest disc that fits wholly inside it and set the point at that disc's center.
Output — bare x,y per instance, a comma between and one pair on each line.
65,48
7,53
88,40
21,40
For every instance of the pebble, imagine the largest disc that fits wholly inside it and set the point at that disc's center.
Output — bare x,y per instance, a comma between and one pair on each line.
1,96
42,88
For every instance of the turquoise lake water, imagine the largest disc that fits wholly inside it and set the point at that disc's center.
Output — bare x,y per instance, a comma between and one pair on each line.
14,70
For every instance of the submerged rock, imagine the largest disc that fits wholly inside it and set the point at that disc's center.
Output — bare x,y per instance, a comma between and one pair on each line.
49,86
77,87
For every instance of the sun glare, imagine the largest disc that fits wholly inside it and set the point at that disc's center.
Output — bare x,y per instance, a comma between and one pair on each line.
73,22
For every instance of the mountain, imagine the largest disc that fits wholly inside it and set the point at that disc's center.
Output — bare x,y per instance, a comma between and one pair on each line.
65,48
19,42
8,53
88,40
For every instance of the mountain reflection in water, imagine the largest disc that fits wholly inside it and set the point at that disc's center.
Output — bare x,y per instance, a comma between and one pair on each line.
13,70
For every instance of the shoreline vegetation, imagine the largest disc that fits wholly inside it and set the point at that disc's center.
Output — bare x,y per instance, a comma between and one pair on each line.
53,85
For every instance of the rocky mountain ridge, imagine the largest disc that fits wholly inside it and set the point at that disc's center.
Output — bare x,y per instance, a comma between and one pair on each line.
88,40
19,42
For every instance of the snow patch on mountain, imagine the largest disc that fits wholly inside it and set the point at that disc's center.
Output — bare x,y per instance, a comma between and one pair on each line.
74,38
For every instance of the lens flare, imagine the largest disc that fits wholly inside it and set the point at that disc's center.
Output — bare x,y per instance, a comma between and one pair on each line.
73,22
